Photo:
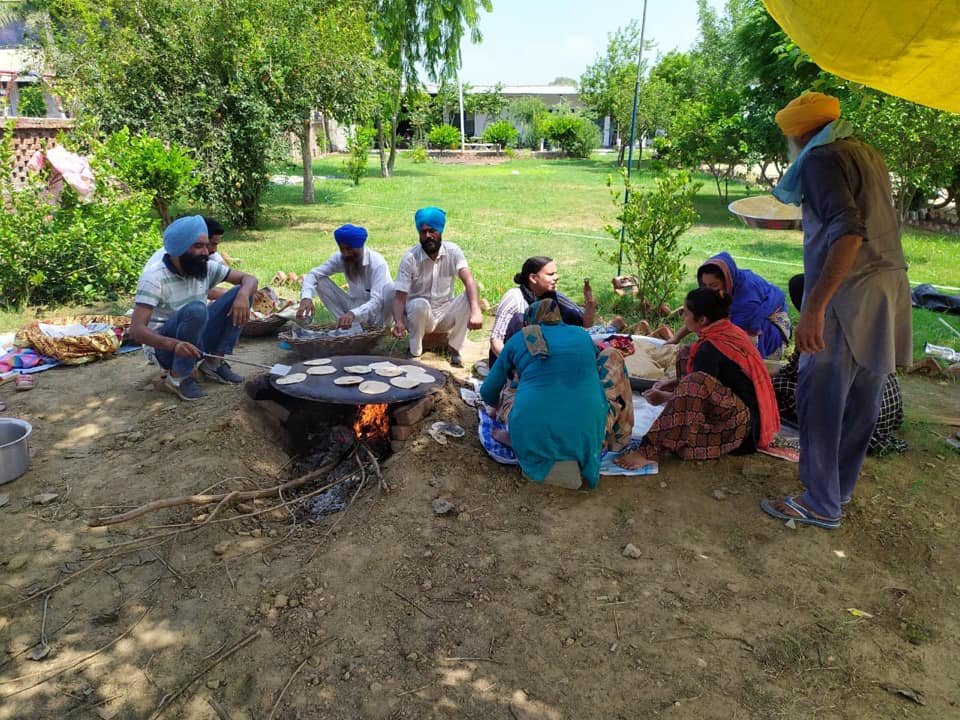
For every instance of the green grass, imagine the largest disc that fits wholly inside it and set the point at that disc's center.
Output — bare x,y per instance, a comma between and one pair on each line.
501,214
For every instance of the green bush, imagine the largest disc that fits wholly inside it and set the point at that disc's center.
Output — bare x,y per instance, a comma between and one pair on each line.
653,220
444,137
31,102
502,132
418,155
575,135
165,171
358,145
75,251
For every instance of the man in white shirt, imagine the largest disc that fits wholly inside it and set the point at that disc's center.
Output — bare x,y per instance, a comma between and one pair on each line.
424,301
369,295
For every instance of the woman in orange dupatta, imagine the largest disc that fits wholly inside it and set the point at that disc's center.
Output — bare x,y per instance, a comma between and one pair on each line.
723,401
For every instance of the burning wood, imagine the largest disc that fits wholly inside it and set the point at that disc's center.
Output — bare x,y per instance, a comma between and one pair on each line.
372,423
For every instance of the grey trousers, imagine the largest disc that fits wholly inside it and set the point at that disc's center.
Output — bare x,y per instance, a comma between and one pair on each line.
838,403
452,318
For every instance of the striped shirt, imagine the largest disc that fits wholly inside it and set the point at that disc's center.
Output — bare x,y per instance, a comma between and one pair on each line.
166,292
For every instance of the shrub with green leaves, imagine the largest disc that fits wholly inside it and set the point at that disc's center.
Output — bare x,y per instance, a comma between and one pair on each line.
419,155
72,251
163,170
358,145
653,219
444,137
31,102
575,135
501,132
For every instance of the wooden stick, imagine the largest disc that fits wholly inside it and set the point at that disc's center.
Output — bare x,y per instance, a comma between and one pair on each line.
415,690
408,600
290,680
208,499
39,593
219,709
169,698
72,665
473,659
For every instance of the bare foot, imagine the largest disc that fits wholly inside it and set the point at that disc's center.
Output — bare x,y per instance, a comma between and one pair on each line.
663,332
641,328
632,460
618,323
502,437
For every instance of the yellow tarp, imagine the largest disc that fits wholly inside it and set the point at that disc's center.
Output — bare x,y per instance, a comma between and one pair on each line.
907,48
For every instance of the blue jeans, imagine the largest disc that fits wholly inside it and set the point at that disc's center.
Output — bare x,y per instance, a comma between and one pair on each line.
209,327
838,402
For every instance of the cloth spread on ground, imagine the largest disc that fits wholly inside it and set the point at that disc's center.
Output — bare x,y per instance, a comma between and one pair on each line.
734,344
927,296
28,361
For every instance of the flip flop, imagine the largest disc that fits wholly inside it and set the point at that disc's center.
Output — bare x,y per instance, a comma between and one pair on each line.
802,517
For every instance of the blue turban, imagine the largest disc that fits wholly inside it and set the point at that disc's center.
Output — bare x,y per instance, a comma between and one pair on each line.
351,235
182,233
432,216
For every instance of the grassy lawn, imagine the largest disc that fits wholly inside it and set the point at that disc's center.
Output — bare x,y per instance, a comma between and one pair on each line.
501,214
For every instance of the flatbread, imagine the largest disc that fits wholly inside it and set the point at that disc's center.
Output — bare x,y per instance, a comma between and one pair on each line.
348,380
291,379
382,364
411,369
406,382
422,376
318,361
321,370
373,387
389,372
358,369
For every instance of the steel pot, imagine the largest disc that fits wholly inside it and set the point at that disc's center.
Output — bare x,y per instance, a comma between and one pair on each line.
14,452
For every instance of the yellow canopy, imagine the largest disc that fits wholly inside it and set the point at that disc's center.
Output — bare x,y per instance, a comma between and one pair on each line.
907,48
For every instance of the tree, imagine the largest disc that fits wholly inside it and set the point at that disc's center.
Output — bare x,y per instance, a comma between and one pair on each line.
563,80
531,113
412,34
653,220
224,79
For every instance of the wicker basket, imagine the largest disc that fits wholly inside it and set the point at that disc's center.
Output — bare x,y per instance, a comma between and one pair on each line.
75,350
262,327
359,344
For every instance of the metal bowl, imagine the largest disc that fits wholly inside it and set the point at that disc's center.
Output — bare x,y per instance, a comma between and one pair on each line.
14,452
766,212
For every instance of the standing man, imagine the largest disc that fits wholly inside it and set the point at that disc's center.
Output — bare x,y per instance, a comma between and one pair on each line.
424,301
369,295
855,322
172,316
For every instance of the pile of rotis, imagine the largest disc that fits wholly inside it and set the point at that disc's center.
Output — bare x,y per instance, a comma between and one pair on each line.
401,376
652,362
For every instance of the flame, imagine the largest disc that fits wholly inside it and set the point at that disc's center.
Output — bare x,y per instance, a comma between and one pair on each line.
372,422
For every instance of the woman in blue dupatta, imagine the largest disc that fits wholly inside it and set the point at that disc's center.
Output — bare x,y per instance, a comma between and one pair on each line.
561,412
758,307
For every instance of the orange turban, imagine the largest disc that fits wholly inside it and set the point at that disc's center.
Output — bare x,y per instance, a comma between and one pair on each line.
807,112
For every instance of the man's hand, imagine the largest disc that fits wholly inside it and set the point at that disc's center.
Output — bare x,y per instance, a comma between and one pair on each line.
476,319
399,329
809,332
240,310
346,320
305,310
187,350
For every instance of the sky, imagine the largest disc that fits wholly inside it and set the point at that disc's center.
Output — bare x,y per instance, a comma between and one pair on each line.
531,42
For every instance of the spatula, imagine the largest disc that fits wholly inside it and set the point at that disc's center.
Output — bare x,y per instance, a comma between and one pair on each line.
276,369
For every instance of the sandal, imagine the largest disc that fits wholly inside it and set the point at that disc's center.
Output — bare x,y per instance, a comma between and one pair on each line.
802,515
24,382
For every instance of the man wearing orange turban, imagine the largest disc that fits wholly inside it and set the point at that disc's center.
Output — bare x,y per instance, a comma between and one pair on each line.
855,319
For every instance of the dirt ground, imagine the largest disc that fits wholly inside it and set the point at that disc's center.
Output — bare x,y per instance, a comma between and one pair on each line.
521,607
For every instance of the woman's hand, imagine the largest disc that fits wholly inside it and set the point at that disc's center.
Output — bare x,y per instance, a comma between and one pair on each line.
657,397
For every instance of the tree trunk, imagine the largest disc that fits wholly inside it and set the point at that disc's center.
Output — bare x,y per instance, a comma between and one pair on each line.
306,154
384,171
623,150
327,137
393,143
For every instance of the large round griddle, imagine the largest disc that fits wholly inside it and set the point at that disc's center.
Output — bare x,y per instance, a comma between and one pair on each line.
321,388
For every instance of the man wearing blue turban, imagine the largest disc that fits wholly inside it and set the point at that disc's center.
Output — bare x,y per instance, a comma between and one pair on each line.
424,301
172,316
369,295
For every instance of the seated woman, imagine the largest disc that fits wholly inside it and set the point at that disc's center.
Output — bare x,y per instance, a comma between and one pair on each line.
757,307
724,401
537,280
883,441
560,370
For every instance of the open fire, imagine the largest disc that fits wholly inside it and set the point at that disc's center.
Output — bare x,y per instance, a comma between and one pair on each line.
372,422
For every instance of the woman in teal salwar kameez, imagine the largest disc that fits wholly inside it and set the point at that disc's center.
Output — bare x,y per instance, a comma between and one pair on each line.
563,408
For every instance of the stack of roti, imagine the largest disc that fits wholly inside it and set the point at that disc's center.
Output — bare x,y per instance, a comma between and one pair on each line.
652,362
